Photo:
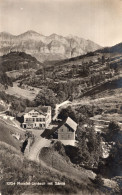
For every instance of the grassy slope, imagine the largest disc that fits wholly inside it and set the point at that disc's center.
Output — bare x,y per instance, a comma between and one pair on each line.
108,86
55,160
29,171
86,84
5,135
22,93
63,68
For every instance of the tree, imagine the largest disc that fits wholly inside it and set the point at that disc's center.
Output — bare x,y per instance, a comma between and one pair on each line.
64,113
98,180
113,127
103,59
28,134
46,97
89,144
113,130
61,96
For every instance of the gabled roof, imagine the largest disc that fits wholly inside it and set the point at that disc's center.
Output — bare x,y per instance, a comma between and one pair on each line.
41,109
68,122
20,114
28,109
72,124
48,132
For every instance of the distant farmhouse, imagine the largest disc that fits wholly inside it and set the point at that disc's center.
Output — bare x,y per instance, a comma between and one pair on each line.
37,118
65,132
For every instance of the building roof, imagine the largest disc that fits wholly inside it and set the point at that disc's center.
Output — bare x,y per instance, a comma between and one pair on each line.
20,114
68,122
43,109
28,109
48,132
71,123
40,109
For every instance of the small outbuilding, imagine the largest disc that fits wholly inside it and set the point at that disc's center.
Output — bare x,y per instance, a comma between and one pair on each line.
65,132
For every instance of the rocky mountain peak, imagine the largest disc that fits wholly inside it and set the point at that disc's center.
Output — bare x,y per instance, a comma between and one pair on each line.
46,47
31,32
6,35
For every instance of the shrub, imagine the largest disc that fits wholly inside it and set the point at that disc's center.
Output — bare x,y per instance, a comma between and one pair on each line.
98,180
113,127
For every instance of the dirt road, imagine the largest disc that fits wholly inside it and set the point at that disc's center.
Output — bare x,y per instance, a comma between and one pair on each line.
36,148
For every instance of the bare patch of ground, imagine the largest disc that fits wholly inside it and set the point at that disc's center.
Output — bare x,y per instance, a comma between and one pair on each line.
22,93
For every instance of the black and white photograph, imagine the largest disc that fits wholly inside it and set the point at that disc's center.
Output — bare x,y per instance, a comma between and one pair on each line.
60,97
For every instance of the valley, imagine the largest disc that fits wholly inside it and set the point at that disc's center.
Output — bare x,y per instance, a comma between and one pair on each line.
88,89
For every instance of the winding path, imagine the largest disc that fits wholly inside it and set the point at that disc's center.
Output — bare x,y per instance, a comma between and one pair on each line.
33,155
36,148
67,102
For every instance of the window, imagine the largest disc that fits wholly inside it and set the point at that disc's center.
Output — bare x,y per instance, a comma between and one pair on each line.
61,130
30,119
68,136
41,119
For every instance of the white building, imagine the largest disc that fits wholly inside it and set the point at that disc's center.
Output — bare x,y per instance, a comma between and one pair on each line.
37,118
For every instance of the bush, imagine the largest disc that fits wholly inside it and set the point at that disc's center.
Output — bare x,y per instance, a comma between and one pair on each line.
90,149
67,112
113,130
98,180
113,127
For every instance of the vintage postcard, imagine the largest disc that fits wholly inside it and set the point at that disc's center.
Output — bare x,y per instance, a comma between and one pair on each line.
60,97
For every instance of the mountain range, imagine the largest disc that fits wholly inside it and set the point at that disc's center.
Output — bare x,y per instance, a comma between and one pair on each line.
53,47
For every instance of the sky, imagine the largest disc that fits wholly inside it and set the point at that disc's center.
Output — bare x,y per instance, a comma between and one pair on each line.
97,20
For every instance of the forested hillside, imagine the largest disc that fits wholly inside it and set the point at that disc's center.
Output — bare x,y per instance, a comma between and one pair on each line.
17,61
74,78
5,80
